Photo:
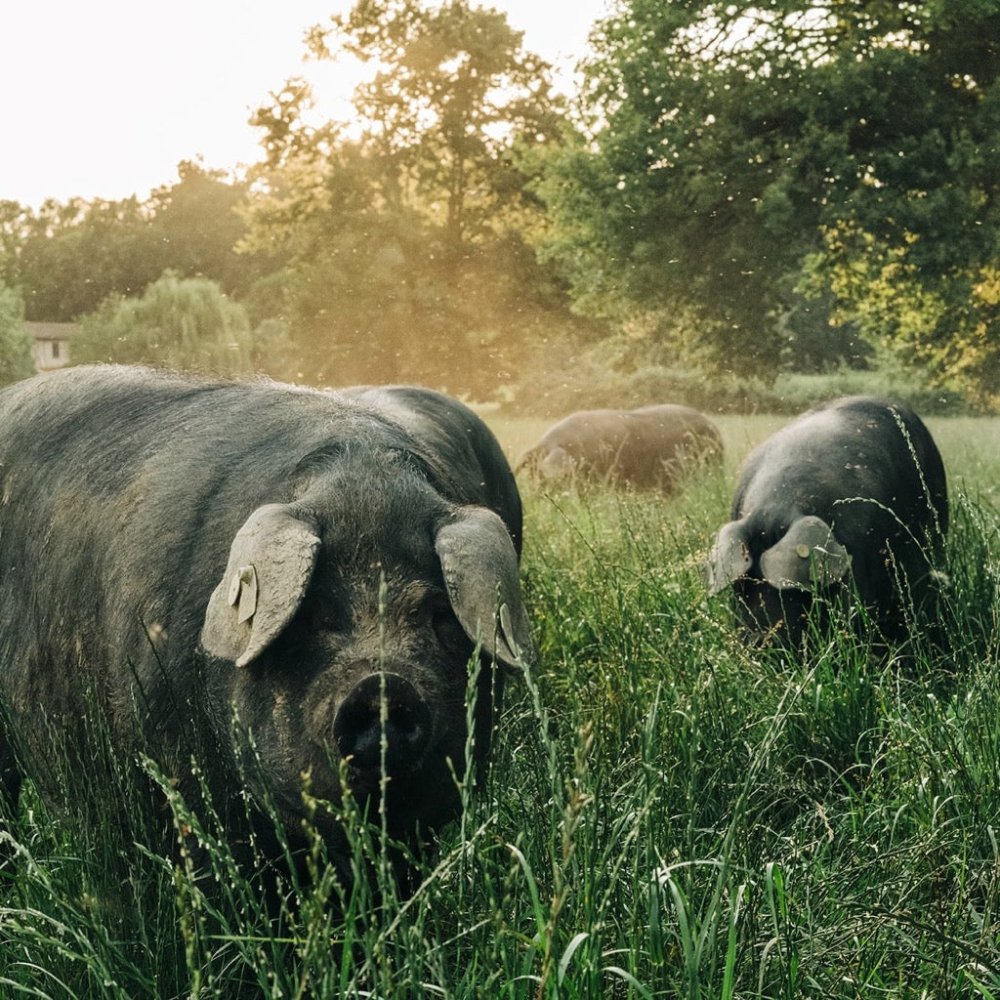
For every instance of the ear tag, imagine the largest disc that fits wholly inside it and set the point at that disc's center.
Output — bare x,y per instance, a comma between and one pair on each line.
246,586
802,550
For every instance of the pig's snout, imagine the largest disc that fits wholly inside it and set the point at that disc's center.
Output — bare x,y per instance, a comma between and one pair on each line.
358,726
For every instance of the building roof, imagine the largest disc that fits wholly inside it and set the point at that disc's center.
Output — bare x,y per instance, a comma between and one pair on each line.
51,331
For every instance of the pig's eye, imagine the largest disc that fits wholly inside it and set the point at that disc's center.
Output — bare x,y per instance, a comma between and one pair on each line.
450,634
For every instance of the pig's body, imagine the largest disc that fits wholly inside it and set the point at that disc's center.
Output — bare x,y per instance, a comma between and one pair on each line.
648,448
257,550
853,491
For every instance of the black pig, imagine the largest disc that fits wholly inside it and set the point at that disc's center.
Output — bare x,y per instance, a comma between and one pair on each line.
643,448
853,491
306,560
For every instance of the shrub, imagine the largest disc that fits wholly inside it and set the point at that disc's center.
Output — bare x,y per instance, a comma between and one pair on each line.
16,357
567,378
182,323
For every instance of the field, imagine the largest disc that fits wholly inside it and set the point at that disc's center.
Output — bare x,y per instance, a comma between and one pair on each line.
668,813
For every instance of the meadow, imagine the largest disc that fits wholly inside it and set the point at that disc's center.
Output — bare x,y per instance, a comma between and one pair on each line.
669,811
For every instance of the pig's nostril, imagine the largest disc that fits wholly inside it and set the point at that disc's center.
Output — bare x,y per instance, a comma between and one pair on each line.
358,727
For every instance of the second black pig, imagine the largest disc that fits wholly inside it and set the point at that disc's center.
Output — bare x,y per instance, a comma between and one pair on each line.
851,493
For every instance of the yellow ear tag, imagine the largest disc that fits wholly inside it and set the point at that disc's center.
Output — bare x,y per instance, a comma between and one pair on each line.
802,550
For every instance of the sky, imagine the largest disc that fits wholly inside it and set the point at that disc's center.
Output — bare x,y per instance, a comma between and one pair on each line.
103,98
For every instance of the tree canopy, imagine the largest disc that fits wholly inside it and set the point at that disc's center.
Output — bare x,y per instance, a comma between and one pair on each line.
405,234
738,154
68,257
749,187
454,91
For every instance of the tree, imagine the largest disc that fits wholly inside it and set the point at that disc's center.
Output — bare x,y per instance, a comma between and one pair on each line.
69,257
740,153
403,236
198,221
17,359
180,323
454,90
13,226
74,254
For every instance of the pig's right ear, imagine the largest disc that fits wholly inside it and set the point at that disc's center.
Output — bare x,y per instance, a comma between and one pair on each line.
807,554
479,565
270,564
729,559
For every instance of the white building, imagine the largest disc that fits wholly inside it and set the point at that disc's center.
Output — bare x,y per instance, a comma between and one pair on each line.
51,344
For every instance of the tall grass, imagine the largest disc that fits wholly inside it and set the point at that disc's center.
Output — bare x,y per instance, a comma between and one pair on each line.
668,811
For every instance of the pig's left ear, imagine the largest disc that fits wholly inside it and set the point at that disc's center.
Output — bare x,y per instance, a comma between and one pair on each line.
480,573
270,564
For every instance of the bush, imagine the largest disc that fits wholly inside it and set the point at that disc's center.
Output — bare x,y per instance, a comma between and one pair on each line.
793,393
181,323
569,378
17,359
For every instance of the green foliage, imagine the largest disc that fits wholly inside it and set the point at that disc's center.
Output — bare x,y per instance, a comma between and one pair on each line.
669,812
180,323
68,258
71,256
12,220
790,186
564,376
729,147
404,246
17,358
197,222
453,90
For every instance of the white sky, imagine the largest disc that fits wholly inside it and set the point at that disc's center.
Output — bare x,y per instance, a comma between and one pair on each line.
102,98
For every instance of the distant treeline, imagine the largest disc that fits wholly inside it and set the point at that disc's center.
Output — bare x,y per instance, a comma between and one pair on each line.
734,193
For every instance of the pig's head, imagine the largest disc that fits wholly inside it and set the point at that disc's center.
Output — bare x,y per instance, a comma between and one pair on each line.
342,631
774,568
